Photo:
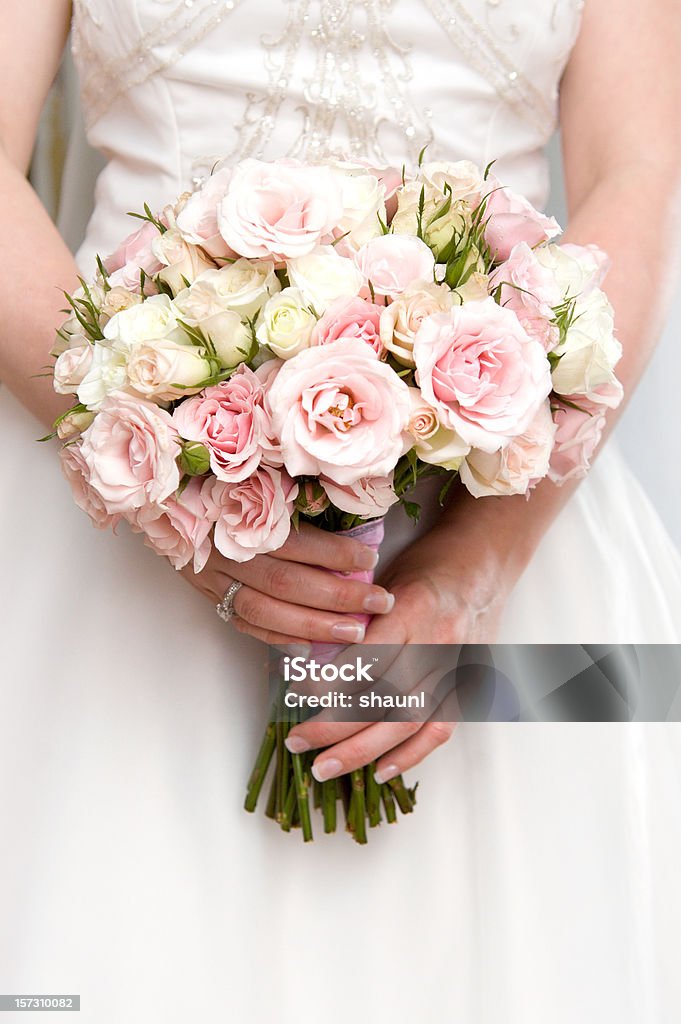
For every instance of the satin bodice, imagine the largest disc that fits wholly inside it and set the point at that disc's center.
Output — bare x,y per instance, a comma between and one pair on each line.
169,85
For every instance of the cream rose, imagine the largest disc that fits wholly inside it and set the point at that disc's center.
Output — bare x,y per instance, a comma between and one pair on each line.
181,262
401,320
166,371
513,469
323,276
243,287
71,368
287,323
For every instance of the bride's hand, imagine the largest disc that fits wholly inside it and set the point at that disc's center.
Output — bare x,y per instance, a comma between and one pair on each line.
436,603
289,597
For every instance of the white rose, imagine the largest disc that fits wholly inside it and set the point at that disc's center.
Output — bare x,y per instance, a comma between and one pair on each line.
401,320
152,320
230,336
71,368
323,275
475,289
363,198
287,323
577,269
461,176
154,370
243,286
181,261
107,373
590,350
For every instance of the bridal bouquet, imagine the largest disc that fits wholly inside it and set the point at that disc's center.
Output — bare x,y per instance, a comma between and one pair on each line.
304,342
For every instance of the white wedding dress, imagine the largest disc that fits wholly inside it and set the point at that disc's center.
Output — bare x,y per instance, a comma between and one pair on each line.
538,881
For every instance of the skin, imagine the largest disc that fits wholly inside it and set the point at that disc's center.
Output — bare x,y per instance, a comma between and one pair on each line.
619,104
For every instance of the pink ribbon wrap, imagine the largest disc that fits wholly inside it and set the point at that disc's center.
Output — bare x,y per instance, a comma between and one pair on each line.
371,534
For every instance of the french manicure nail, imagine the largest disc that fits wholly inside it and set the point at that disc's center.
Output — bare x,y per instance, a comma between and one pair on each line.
351,632
366,559
379,603
296,744
328,769
391,771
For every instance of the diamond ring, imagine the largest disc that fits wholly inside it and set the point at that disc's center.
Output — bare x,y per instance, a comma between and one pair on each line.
225,608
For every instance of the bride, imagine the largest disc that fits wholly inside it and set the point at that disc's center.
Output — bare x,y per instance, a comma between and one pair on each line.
538,880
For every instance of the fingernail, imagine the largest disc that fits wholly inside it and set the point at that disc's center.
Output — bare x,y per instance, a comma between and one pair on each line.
366,559
299,650
379,602
352,632
296,744
328,769
391,771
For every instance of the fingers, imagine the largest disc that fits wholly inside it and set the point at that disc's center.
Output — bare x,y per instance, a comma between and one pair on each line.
293,645
311,587
256,609
313,546
413,750
364,747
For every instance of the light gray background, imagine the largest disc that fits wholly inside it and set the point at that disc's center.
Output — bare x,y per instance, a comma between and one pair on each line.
649,431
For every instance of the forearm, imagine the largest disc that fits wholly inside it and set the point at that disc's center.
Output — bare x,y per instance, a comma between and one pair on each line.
37,266
639,234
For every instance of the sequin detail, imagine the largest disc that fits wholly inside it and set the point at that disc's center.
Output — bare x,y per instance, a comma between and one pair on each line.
180,28
353,87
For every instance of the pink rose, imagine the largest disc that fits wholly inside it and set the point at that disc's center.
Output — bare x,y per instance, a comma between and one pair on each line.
135,253
230,419
182,530
198,219
130,450
340,412
512,219
515,468
350,318
369,497
391,263
577,435
481,372
251,516
281,209
531,291
76,471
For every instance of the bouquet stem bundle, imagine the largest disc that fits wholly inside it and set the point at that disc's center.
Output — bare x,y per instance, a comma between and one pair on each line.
294,793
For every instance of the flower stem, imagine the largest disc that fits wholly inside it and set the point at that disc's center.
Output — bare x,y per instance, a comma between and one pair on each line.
329,804
404,798
302,782
373,795
262,763
357,807
389,804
